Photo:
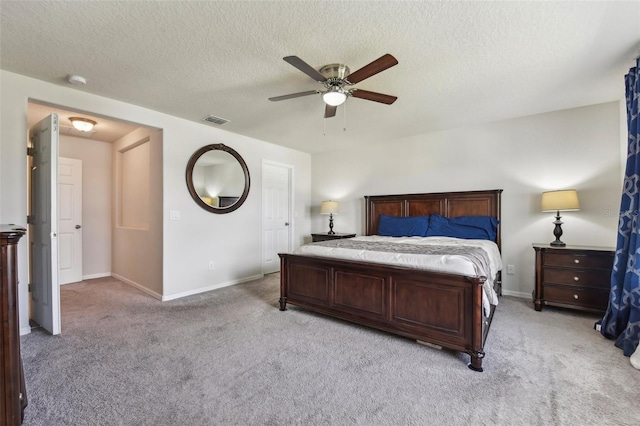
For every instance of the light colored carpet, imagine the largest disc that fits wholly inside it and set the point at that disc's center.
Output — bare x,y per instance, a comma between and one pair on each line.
230,357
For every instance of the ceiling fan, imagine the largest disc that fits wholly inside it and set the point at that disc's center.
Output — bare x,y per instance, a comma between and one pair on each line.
336,78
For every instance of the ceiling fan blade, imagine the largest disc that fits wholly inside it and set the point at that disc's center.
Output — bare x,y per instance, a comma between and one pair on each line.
373,96
294,95
305,68
330,111
379,65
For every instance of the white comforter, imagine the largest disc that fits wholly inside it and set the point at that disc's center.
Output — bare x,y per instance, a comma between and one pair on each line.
452,264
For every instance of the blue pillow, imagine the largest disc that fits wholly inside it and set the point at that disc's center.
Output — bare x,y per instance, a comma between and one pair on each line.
468,227
394,226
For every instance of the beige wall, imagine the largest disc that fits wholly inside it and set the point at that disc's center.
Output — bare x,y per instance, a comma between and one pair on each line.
137,237
577,148
137,200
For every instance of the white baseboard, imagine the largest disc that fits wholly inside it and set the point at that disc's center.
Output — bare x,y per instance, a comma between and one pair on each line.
92,276
516,294
138,286
213,287
25,330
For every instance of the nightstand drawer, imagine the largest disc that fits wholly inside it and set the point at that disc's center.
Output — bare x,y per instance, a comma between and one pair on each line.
578,277
575,260
596,299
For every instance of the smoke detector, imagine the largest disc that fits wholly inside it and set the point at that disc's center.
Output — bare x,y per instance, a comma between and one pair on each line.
77,80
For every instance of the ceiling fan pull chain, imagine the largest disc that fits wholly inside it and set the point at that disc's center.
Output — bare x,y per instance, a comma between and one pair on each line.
324,127
344,108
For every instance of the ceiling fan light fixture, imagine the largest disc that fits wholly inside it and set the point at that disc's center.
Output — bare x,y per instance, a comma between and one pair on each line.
82,124
334,96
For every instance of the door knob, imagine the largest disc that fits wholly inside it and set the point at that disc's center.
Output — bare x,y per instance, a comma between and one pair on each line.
78,226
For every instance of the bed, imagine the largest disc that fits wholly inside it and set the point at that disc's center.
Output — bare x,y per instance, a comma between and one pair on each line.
439,308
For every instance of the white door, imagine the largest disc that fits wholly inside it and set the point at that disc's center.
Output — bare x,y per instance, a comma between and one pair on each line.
70,220
276,212
45,292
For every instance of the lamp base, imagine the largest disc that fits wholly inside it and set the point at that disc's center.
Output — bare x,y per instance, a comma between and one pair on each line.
557,232
331,224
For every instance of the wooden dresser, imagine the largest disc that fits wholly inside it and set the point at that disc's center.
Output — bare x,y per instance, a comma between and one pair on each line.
13,397
324,236
576,277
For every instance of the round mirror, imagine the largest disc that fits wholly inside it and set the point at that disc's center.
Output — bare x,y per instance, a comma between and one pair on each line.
218,178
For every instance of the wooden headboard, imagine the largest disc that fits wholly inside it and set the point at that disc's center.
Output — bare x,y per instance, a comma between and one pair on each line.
448,204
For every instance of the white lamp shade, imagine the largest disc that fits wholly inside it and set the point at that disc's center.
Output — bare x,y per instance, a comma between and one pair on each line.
328,207
334,98
565,200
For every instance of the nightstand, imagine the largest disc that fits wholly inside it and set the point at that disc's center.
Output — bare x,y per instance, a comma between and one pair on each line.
576,277
324,237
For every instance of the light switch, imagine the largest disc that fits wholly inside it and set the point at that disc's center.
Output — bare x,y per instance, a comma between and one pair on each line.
174,214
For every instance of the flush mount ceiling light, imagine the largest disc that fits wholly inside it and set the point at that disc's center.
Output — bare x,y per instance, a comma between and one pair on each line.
334,96
82,124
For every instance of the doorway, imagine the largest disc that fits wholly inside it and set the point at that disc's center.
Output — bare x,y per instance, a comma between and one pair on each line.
96,149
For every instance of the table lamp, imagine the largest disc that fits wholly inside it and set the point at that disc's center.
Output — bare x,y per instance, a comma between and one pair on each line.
330,208
557,201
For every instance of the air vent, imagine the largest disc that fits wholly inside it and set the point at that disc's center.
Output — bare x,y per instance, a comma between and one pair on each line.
216,120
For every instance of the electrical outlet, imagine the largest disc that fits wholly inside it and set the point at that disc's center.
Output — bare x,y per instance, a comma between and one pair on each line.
511,269
212,265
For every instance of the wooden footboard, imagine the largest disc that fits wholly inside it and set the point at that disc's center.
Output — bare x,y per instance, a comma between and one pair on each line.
437,308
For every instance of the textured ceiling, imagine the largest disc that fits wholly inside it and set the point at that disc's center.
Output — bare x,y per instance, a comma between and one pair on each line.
460,63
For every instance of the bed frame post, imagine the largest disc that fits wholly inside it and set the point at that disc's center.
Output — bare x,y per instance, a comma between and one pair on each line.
476,362
476,352
283,283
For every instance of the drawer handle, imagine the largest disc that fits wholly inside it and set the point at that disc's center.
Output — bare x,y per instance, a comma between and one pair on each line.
576,279
576,260
575,296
